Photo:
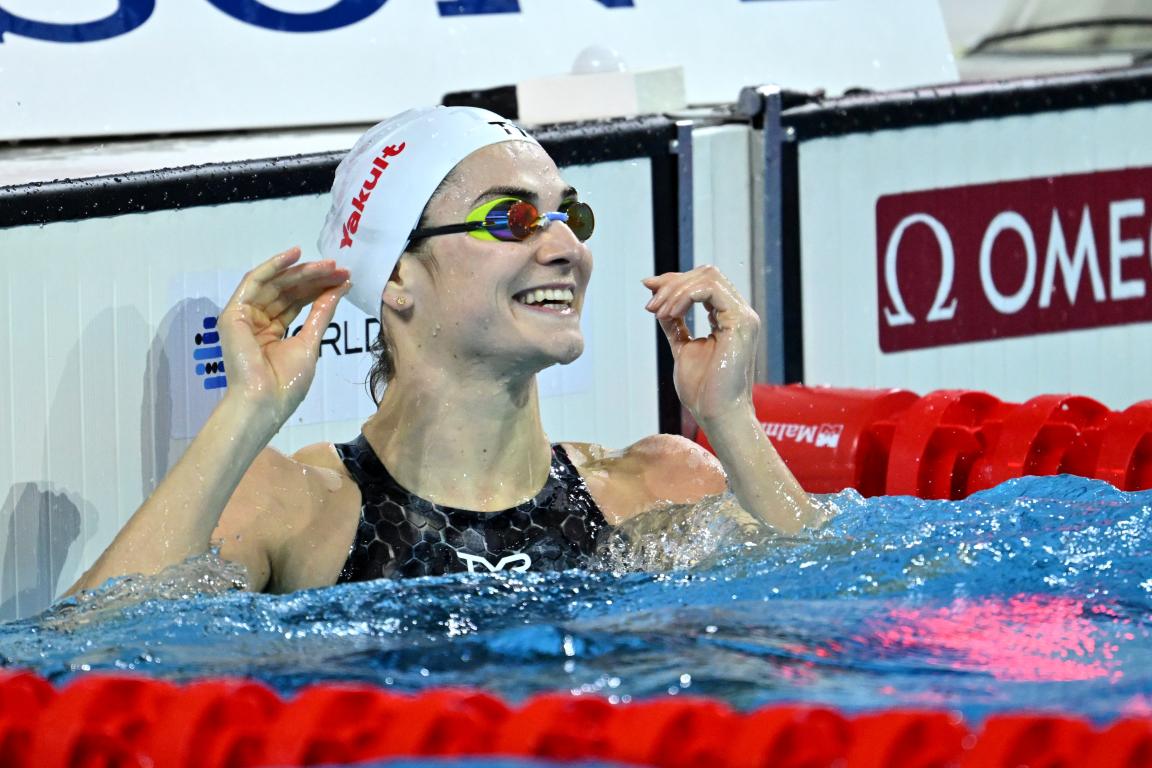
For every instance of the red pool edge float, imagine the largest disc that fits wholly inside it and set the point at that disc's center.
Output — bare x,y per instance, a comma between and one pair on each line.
949,443
120,721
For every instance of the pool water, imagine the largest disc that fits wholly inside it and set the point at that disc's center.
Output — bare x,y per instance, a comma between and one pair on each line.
1034,595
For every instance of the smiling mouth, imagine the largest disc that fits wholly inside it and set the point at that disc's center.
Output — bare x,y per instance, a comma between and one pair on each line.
548,299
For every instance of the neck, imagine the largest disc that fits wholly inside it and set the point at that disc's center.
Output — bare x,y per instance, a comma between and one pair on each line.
477,445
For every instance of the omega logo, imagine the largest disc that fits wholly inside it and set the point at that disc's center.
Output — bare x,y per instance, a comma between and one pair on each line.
941,308
1083,260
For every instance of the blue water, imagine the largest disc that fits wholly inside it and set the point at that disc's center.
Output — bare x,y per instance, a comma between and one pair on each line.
1035,595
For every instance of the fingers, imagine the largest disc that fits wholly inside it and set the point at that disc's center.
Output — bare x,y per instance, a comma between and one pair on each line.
274,292
676,330
277,276
674,293
270,296
289,292
303,281
263,272
280,261
323,309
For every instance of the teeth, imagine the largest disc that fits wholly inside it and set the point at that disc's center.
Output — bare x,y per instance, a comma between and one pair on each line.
547,295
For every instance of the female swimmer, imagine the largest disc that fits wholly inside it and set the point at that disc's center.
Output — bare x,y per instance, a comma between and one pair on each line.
457,228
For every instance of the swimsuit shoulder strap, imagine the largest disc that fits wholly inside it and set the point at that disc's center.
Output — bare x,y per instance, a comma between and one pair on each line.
560,456
364,465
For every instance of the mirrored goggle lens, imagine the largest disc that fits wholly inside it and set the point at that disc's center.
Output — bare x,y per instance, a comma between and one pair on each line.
514,220
580,219
509,219
523,219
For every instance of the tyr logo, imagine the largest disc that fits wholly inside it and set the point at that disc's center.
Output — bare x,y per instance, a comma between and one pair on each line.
510,128
523,562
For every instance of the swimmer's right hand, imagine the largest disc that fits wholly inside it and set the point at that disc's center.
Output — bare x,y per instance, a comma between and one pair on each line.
264,368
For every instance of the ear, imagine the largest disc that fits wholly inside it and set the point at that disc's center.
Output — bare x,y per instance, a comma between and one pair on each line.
396,297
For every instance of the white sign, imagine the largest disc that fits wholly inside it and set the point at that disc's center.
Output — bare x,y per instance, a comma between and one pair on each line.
1016,227
152,66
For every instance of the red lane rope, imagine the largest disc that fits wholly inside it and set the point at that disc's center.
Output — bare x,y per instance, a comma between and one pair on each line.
122,722
949,443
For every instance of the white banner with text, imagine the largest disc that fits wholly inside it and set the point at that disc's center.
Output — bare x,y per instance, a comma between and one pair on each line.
79,68
1009,255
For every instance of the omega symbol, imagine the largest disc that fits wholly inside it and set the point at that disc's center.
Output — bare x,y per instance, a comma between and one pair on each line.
941,309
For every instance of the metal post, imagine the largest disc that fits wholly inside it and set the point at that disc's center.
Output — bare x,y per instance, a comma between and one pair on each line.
687,229
765,105
773,213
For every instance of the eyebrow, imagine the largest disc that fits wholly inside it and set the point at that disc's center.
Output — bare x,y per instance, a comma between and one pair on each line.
524,194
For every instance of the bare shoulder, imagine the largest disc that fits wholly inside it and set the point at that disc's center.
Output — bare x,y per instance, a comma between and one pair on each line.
277,476
320,456
654,469
279,504
674,468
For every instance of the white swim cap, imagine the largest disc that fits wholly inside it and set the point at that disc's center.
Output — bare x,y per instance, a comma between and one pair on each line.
386,179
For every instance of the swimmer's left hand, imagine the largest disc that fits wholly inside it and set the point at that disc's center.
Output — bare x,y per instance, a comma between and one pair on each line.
713,373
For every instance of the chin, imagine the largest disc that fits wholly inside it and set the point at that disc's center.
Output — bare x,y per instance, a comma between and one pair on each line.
566,351
571,353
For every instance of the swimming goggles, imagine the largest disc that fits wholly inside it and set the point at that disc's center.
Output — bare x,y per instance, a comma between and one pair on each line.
510,219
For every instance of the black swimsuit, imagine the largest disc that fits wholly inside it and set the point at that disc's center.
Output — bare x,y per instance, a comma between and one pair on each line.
403,535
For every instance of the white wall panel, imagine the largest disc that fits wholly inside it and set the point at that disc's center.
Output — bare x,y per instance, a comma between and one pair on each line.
841,180
722,204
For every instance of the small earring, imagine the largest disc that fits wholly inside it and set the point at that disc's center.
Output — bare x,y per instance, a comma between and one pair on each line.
401,300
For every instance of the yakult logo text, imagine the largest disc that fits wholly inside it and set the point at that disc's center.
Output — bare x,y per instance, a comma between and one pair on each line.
822,436
1013,259
379,165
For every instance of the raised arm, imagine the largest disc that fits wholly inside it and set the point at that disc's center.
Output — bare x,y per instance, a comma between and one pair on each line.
268,375
714,376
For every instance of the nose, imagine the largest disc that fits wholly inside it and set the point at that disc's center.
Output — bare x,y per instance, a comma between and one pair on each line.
557,244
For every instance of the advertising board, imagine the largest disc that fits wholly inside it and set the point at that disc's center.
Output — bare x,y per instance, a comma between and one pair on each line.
1013,258
159,66
1007,254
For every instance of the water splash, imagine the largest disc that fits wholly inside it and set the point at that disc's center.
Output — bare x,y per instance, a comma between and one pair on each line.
201,575
1035,595
680,537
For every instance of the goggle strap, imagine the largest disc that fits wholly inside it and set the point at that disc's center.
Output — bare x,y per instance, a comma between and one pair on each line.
448,229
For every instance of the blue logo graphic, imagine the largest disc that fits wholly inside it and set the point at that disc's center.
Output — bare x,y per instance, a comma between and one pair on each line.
344,14
209,356
131,14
